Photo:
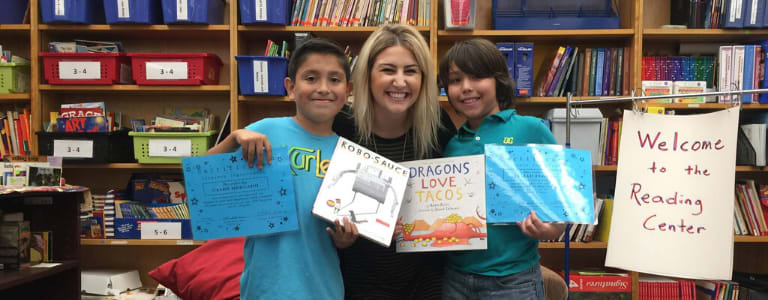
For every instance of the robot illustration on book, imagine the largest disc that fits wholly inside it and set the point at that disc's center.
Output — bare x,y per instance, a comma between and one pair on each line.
368,185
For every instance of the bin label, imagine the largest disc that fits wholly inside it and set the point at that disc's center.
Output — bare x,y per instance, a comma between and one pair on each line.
261,10
181,10
79,70
73,148
58,7
166,70
123,10
260,76
160,230
170,147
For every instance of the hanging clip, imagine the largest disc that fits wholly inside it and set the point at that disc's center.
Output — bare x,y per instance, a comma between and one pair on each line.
637,105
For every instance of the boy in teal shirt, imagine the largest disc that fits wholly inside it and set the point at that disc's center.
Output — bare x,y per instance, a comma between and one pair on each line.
478,84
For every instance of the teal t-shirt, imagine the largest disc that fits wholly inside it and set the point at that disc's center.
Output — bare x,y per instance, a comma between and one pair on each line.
509,250
301,264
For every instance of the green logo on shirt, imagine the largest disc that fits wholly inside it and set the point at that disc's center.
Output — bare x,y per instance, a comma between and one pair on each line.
509,140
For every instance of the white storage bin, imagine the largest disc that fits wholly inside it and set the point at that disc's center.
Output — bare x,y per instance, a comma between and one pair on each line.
585,129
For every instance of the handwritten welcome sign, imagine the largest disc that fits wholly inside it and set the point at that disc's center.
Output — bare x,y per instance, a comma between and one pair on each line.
673,207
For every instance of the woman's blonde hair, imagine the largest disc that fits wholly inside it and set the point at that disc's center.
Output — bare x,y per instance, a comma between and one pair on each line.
425,112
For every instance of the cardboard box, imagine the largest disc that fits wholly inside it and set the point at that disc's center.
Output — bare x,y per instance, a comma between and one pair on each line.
109,282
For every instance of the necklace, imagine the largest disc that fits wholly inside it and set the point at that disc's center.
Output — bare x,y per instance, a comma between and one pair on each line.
404,146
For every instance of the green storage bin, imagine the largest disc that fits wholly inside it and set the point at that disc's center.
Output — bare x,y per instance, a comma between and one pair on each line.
199,144
14,78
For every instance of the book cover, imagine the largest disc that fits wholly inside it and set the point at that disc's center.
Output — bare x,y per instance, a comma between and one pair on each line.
364,187
82,124
523,66
444,205
689,87
599,285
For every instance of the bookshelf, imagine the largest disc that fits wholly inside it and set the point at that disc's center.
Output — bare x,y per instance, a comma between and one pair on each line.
639,32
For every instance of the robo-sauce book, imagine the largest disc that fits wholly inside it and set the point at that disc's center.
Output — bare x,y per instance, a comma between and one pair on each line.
444,207
364,187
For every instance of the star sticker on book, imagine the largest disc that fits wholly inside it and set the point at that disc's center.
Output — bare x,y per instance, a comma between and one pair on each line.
279,158
581,186
285,219
283,192
193,201
233,159
492,186
198,228
271,225
237,227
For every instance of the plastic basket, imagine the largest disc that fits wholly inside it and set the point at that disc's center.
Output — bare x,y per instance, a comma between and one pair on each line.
194,12
72,11
133,11
265,12
13,11
262,75
200,142
108,147
175,68
14,78
554,14
114,68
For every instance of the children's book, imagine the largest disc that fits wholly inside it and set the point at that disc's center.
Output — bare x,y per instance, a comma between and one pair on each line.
364,187
444,206
553,181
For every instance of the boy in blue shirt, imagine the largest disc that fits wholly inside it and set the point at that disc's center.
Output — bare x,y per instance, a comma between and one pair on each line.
302,264
475,76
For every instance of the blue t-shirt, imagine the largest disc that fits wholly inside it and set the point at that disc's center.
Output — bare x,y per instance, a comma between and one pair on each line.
509,250
301,264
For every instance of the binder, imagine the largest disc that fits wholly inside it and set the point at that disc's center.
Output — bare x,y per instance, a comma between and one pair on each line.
734,16
754,13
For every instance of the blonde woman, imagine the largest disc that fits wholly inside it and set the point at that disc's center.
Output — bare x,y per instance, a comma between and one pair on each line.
395,113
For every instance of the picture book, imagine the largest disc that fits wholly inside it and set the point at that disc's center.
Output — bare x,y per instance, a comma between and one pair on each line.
444,205
364,187
553,181
83,124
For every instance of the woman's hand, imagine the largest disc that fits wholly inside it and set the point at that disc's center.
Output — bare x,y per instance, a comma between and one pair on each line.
343,236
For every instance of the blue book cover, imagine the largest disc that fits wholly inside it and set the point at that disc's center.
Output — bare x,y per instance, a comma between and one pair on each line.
508,50
228,199
749,73
560,69
734,14
553,181
764,97
599,71
754,13
523,69
82,124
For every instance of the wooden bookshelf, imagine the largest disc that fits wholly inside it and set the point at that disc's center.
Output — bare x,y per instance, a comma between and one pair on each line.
133,27
263,99
132,242
136,88
17,96
573,245
12,278
715,35
535,35
341,34
747,239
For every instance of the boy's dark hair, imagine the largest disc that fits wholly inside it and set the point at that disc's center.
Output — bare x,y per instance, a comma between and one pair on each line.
317,46
481,59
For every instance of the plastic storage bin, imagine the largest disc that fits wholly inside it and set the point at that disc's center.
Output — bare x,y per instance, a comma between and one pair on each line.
175,68
554,14
13,11
127,228
72,11
265,12
86,68
459,14
108,147
261,75
14,78
585,129
143,142
133,11
193,11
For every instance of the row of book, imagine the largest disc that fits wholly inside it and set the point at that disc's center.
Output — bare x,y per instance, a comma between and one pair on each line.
719,13
585,72
610,139
679,68
19,246
15,132
84,117
739,68
347,13
139,210
658,288
588,232
750,208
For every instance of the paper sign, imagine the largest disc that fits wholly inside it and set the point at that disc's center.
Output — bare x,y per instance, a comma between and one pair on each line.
58,7
673,207
181,10
553,181
166,70
123,9
444,206
261,10
160,230
73,148
228,199
79,70
170,148
260,76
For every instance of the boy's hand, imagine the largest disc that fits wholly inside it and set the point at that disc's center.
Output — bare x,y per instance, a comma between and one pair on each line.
535,228
398,228
343,236
253,143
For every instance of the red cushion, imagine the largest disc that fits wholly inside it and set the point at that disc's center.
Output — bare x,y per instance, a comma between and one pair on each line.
212,271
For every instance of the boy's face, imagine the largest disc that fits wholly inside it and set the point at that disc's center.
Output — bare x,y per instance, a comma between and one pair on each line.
473,97
320,90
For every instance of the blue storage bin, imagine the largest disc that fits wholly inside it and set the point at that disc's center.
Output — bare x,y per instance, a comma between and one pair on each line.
128,228
72,11
265,12
133,11
268,80
554,14
194,12
13,11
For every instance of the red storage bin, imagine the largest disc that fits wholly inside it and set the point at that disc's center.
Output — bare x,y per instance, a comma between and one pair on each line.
86,68
175,68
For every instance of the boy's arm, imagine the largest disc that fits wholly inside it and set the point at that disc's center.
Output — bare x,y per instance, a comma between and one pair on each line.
251,142
535,228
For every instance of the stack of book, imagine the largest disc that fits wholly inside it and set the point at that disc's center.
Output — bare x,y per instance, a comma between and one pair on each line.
347,13
585,72
14,242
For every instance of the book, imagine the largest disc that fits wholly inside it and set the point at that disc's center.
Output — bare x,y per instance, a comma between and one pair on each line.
444,205
14,245
40,248
364,187
599,285
689,87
